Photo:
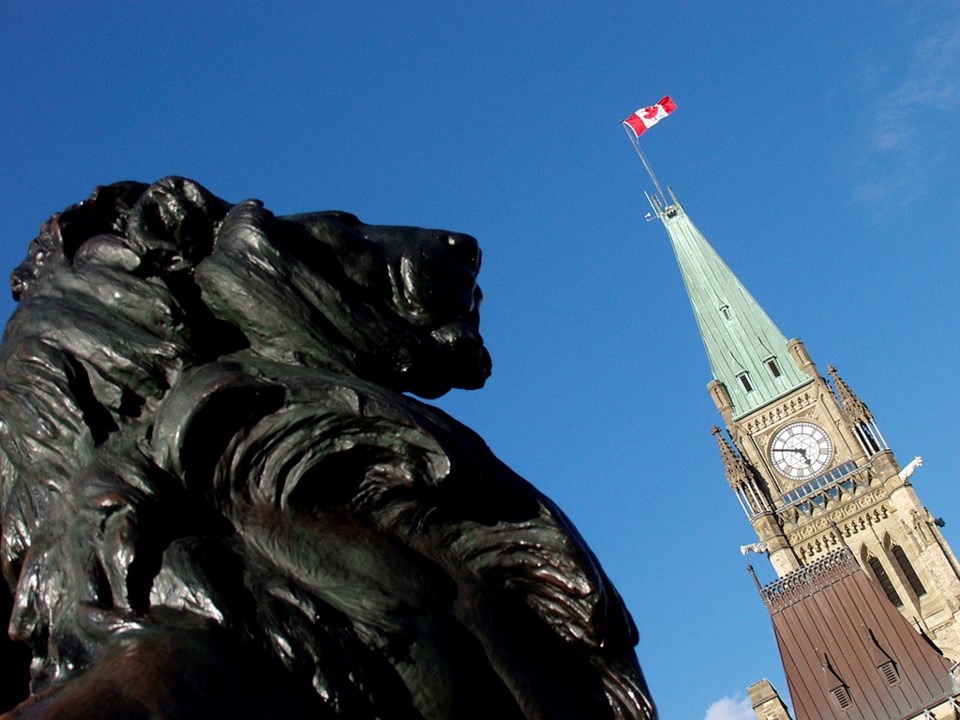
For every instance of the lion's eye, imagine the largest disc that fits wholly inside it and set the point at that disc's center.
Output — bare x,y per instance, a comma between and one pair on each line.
466,248
344,218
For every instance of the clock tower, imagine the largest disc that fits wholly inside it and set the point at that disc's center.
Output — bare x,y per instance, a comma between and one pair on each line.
803,454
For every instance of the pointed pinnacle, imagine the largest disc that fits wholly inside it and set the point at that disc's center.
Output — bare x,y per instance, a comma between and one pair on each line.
735,467
855,410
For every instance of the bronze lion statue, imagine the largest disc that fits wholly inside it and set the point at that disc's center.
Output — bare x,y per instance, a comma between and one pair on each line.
219,501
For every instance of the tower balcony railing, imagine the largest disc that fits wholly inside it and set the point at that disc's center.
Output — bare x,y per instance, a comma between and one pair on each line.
809,579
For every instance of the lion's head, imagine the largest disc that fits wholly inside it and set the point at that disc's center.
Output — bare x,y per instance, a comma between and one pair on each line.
204,445
396,305
121,294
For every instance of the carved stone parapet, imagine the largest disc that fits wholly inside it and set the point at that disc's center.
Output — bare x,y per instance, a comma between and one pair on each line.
780,412
822,538
841,516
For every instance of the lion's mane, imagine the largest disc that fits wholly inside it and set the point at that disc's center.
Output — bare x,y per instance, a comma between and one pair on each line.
208,465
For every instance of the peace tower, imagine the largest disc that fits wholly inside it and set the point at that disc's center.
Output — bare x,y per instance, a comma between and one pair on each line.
830,504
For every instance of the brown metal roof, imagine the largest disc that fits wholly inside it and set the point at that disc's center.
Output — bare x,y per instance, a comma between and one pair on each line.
847,652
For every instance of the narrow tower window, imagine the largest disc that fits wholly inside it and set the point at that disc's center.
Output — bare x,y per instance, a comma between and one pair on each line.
885,583
725,311
744,379
773,366
869,441
908,572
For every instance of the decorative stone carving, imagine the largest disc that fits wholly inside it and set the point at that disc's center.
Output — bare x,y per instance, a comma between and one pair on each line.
911,467
761,548
779,412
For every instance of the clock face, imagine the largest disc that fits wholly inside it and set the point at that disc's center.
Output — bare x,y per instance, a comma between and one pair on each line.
801,450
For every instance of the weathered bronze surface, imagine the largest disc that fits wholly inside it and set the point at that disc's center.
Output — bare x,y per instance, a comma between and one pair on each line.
217,500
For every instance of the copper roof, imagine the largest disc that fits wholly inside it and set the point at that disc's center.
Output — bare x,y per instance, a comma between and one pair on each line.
847,652
739,337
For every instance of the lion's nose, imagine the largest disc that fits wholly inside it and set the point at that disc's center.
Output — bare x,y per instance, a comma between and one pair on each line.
466,248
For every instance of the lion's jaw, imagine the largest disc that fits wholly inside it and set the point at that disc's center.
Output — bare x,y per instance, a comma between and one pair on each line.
433,282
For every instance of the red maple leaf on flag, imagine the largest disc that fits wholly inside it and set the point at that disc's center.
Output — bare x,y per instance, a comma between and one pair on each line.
647,117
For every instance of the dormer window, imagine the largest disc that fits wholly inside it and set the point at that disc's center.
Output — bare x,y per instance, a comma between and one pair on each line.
841,694
745,383
773,366
888,671
725,311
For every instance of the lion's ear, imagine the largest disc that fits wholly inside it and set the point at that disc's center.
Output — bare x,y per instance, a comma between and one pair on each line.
175,220
104,212
196,422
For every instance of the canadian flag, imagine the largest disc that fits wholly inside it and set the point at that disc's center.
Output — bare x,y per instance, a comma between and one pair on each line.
647,117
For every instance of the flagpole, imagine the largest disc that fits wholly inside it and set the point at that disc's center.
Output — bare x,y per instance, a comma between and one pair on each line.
636,146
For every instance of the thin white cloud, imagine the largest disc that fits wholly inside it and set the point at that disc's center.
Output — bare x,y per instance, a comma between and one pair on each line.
908,126
932,83
731,709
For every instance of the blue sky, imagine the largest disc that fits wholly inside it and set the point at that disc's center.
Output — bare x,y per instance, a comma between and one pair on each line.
814,144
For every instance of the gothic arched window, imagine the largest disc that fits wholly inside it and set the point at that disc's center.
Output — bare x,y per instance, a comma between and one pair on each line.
884,580
908,572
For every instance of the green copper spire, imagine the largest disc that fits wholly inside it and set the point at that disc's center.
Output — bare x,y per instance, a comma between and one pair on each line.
747,352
